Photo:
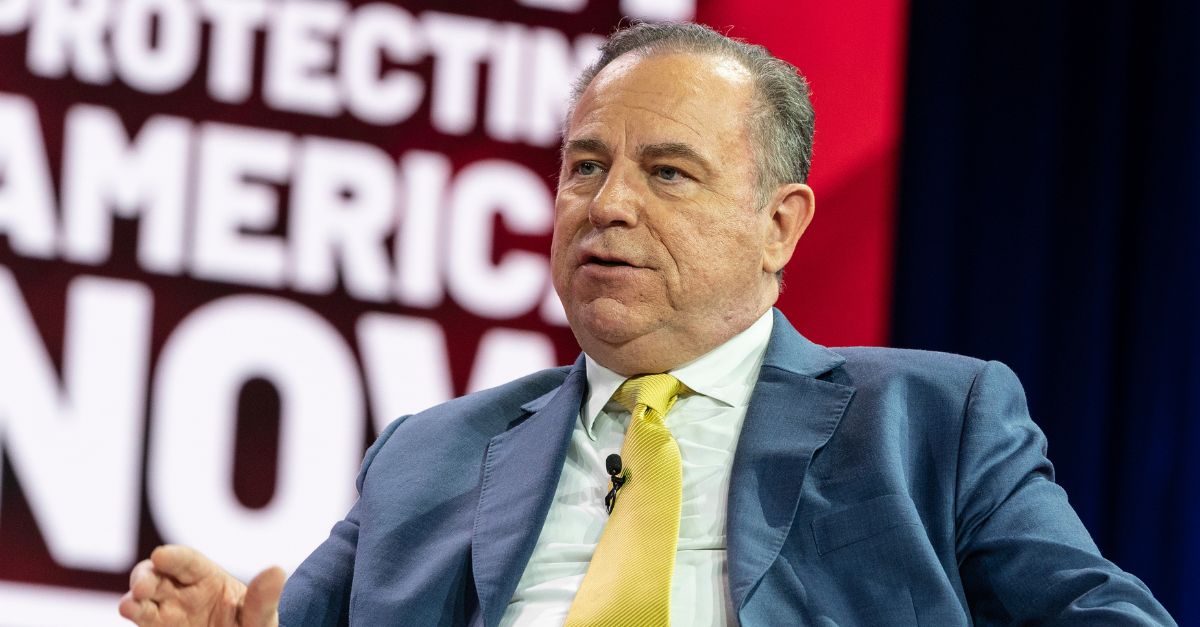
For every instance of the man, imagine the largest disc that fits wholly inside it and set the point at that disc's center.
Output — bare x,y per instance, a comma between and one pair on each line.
769,481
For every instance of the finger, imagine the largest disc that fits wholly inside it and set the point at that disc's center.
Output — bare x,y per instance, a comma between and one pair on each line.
139,568
143,580
185,565
261,608
140,612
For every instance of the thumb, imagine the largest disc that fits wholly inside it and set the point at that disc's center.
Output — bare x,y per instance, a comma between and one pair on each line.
261,607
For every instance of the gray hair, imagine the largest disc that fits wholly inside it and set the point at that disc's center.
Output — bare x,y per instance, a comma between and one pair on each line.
782,123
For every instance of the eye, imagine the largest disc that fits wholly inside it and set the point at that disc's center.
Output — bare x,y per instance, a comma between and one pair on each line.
667,173
587,168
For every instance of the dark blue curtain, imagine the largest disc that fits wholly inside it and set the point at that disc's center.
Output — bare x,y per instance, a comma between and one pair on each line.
1050,218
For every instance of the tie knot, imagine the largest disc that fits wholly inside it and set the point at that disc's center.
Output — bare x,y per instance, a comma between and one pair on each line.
656,391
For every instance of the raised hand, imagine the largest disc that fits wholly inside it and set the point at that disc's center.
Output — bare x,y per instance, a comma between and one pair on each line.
178,586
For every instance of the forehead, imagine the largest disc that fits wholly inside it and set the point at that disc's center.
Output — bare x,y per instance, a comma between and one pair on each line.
682,97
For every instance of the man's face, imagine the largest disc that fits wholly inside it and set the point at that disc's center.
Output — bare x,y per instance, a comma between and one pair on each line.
658,247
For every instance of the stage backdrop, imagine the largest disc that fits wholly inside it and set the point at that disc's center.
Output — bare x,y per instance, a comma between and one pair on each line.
1050,218
237,237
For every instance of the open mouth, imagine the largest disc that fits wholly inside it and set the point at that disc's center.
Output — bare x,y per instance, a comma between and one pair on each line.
608,263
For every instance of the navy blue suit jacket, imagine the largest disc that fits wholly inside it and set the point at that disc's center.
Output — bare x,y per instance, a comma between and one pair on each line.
869,487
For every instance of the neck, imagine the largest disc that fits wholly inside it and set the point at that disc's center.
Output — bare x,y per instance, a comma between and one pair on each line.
666,349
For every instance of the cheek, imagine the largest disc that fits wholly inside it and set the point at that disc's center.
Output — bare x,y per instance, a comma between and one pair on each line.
719,258
561,240
559,252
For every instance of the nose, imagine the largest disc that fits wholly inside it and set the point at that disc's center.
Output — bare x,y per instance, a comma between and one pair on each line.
618,202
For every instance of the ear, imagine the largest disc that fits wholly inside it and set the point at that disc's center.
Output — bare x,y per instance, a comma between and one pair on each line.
789,212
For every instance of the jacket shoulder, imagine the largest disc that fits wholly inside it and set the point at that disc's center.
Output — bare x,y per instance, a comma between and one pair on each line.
500,404
443,435
868,366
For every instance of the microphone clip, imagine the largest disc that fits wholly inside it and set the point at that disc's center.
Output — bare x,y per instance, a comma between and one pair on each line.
613,465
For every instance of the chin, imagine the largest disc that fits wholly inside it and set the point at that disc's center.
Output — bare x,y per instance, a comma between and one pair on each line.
608,321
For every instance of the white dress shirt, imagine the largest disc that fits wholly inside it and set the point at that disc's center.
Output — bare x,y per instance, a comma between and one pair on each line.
706,424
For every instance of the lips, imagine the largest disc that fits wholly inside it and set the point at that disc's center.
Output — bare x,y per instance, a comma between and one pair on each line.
605,259
608,263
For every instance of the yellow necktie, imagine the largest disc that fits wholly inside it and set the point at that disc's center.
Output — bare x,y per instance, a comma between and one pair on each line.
628,582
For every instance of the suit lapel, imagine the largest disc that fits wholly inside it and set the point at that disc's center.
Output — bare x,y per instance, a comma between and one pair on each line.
520,474
791,415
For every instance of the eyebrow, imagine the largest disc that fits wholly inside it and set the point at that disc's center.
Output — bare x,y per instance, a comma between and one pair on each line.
587,144
648,151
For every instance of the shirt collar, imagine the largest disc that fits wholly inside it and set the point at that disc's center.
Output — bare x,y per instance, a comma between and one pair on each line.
727,373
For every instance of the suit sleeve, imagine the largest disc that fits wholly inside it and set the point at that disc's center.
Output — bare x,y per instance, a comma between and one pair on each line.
318,593
1024,555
